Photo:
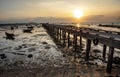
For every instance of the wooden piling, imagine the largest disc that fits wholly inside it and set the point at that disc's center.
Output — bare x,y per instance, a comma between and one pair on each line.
68,40
89,35
104,52
60,34
75,42
110,56
64,37
88,48
57,34
80,41
110,59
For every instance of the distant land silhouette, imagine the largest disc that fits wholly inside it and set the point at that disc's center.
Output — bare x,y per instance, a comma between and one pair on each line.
93,18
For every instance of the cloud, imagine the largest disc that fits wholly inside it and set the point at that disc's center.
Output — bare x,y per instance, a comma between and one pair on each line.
118,18
38,20
94,17
101,18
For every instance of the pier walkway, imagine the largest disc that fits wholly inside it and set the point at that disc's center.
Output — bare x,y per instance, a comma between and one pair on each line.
107,38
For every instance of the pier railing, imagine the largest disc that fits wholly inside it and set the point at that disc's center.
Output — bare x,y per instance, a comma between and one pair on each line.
107,38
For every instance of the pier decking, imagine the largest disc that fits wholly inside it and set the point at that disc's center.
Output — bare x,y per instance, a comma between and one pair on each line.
107,38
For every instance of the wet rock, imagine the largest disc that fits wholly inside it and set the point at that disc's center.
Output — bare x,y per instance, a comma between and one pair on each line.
31,44
117,75
6,48
91,58
4,37
47,47
77,76
99,69
76,55
10,36
30,27
96,51
18,48
21,51
17,63
116,60
77,60
109,76
17,53
31,49
37,35
44,43
64,55
30,56
24,45
3,56
96,64
27,30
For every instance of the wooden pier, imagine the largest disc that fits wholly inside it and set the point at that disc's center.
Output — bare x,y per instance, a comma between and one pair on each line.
108,39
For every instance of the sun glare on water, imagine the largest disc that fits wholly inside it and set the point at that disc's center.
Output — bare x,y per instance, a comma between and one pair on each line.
78,13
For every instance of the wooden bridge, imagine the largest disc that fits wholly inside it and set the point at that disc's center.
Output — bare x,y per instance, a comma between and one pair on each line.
107,38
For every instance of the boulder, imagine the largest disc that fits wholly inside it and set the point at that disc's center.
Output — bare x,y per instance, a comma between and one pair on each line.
3,56
10,36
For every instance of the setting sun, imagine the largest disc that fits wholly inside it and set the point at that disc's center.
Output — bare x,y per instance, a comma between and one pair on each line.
78,13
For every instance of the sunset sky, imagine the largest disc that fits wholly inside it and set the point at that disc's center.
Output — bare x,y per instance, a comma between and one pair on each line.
94,10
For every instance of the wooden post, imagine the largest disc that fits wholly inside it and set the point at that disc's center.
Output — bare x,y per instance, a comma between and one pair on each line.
52,33
110,59
110,56
75,42
60,34
80,42
88,47
80,39
55,33
68,40
104,52
64,35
